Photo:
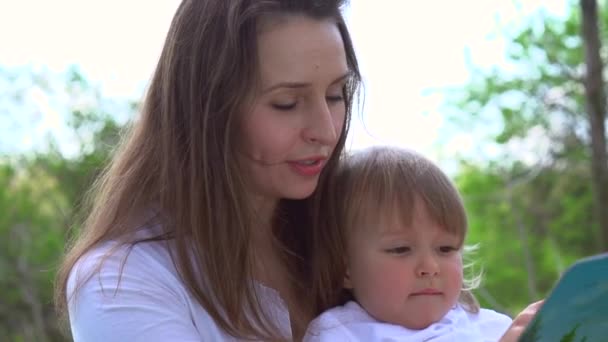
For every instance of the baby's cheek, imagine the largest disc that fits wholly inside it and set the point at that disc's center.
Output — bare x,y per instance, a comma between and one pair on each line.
455,271
384,288
392,279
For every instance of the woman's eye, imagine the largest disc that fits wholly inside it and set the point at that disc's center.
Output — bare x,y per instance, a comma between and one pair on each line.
284,106
398,250
334,99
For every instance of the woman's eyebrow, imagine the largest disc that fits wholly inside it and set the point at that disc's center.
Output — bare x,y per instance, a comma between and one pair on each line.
291,85
341,78
298,85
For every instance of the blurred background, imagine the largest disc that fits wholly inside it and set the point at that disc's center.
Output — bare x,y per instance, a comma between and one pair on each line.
495,91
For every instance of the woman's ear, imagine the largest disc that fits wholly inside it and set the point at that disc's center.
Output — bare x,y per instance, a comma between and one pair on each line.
347,283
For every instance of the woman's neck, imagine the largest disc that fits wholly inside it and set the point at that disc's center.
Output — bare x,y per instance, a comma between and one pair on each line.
269,268
264,210
264,252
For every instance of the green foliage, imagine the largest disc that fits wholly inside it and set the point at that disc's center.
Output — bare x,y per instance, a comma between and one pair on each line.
527,232
542,87
531,208
40,193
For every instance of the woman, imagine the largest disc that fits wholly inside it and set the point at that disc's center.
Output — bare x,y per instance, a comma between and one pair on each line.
199,228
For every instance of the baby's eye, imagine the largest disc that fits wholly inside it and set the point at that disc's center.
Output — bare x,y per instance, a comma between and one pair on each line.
398,250
447,249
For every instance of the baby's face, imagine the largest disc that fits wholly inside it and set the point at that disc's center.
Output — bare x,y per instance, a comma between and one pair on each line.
410,275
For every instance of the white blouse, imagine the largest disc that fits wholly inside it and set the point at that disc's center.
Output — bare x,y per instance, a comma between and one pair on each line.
148,302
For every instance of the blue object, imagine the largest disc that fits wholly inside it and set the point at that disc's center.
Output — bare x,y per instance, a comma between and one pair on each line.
577,308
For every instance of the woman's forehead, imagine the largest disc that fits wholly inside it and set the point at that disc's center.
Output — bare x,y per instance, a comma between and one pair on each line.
301,50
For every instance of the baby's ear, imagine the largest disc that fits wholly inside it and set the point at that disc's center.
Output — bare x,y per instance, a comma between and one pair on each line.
347,283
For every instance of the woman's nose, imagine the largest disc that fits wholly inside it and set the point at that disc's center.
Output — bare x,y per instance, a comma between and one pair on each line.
322,127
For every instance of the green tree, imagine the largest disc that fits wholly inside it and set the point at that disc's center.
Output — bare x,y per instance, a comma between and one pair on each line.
532,206
595,100
40,193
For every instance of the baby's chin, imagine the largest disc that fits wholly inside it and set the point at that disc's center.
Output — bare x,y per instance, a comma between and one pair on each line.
420,323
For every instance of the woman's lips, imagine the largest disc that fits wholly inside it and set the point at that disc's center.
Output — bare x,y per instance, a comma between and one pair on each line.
307,167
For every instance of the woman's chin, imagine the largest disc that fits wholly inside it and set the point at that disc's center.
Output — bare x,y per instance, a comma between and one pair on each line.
301,192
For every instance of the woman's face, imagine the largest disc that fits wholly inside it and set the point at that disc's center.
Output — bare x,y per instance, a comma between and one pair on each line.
299,110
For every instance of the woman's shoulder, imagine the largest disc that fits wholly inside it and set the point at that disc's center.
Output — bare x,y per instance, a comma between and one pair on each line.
120,292
111,261
112,270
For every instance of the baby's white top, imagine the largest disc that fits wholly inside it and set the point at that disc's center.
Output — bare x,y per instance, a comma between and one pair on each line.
352,323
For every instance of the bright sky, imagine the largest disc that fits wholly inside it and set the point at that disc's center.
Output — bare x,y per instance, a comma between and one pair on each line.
406,49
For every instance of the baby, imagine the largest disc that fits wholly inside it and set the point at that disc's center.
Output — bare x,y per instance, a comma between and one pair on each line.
403,227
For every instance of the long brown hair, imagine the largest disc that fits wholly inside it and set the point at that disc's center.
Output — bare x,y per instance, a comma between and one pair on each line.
372,182
178,159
